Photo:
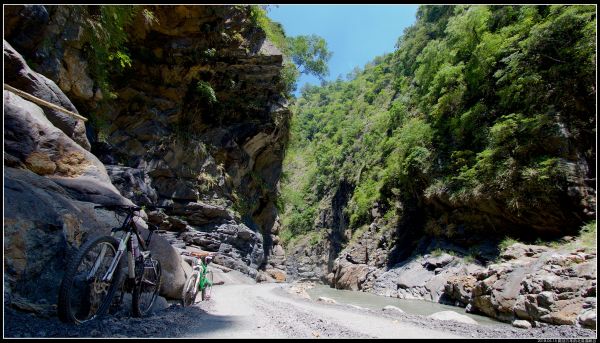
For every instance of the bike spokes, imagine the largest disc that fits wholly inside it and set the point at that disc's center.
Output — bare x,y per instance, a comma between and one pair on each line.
208,282
147,288
88,290
190,289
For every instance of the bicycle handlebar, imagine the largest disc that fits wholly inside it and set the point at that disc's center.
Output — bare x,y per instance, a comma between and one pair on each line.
196,254
130,208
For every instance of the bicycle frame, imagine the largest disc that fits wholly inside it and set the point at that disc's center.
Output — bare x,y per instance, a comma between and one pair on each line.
130,228
96,273
203,281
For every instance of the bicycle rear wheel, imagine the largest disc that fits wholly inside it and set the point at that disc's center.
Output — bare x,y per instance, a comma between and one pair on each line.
207,290
190,289
147,288
83,295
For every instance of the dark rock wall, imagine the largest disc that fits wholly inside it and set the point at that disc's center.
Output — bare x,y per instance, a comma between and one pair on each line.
226,154
158,137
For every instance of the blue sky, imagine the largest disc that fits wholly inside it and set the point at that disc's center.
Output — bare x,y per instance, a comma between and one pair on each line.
354,33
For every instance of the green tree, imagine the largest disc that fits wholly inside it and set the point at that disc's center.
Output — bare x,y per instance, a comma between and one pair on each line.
302,54
310,53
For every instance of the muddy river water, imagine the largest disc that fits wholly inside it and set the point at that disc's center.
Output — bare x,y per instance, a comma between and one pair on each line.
378,302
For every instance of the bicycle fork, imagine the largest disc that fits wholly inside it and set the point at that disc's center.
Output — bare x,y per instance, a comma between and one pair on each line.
113,265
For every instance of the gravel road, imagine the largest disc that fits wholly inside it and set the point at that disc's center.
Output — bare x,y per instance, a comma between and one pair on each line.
242,309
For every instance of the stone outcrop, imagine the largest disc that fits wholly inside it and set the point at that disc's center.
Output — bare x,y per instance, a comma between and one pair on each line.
133,184
19,75
156,139
307,262
451,315
31,141
423,277
215,163
236,245
42,224
534,283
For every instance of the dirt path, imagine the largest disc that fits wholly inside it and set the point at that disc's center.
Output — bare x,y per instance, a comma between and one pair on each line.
264,310
242,309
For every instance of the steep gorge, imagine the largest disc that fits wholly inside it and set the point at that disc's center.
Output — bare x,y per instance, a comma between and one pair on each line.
404,180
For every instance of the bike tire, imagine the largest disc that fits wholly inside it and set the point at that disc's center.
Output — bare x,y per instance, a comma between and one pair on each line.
75,288
149,284
190,289
207,290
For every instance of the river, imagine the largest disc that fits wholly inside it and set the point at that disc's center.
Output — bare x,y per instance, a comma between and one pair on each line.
377,302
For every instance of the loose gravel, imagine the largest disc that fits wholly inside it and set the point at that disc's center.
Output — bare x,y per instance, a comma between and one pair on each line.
275,312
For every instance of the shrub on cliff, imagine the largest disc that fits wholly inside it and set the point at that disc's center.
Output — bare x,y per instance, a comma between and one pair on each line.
304,54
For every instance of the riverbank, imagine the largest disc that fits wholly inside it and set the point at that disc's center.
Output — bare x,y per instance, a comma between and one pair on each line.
270,311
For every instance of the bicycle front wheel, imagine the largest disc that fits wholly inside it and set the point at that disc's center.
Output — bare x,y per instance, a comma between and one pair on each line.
146,290
190,289
207,290
84,293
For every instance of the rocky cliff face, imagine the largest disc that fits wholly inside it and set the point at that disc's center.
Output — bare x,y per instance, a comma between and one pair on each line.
529,285
524,284
312,258
51,185
216,161
197,122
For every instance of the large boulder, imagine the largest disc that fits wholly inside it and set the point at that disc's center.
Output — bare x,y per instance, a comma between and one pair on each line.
237,246
425,277
451,315
19,75
31,140
174,273
43,225
532,283
349,275
459,288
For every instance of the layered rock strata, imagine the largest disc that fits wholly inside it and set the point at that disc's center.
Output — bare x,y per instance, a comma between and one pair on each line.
165,139
51,185
155,140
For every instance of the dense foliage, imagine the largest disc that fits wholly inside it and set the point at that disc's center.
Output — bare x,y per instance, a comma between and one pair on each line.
105,28
476,102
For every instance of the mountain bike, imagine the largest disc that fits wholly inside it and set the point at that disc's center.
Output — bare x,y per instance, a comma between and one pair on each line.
96,272
201,279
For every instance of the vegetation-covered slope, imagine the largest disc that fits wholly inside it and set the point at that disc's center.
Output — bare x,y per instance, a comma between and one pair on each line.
481,124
